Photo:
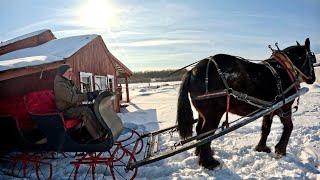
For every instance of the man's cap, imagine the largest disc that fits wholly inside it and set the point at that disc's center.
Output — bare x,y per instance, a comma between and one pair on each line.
62,69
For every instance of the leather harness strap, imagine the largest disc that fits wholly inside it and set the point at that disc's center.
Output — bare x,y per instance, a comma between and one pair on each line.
281,58
225,123
278,79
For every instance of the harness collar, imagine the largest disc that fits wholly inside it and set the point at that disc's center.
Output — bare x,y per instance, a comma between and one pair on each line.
293,72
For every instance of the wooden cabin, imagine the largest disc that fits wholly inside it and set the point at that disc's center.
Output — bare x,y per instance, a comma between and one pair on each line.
29,62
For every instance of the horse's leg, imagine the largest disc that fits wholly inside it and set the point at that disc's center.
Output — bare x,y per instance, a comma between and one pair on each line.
211,122
281,147
265,128
198,130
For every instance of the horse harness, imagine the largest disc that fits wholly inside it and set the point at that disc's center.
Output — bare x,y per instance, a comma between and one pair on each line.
296,76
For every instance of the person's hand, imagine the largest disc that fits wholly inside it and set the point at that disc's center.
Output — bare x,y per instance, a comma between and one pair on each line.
95,94
90,96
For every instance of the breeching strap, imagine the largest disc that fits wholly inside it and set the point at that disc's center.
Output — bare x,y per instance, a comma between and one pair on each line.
225,123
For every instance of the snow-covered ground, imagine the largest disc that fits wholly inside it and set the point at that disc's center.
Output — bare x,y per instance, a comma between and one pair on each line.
153,107
235,150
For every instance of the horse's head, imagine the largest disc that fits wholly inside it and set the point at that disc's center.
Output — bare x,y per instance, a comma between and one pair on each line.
303,58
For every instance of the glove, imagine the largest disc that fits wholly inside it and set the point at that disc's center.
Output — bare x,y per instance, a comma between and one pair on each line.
92,95
95,94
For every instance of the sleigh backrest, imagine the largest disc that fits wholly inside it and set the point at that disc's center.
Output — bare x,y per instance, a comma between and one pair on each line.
40,102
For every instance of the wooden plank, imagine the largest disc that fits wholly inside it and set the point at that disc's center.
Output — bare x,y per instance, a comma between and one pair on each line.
149,144
14,73
127,89
153,147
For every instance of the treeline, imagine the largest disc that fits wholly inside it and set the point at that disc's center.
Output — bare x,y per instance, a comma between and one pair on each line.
156,76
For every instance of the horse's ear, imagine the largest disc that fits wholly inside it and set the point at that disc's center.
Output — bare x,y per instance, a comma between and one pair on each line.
307,44
298,43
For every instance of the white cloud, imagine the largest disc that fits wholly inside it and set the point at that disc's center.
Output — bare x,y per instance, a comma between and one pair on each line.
158,42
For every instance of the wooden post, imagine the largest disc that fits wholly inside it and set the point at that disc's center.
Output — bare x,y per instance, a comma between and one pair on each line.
127,89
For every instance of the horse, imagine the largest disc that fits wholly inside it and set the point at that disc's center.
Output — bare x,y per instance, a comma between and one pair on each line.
258,80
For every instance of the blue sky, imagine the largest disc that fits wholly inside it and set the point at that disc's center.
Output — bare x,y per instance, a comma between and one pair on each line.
168,34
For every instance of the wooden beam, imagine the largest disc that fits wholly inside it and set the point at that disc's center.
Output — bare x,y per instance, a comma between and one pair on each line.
9,74
127,89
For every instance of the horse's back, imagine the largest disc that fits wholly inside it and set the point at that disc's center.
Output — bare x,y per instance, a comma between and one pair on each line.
254,79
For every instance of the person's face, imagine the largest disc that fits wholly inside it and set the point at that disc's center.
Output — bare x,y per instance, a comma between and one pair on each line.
68,74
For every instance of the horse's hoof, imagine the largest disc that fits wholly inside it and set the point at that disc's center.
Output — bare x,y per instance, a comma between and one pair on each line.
280,151
263,149
209,164
197,151
277,156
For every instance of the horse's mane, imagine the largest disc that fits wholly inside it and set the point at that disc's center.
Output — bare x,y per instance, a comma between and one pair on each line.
291,47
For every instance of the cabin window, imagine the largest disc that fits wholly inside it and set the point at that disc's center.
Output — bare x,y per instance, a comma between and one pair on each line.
86,82
111,83
100,82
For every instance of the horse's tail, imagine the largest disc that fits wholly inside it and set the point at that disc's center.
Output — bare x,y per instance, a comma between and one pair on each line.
184,112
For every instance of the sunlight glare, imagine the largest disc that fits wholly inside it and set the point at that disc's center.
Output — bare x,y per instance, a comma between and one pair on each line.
96,14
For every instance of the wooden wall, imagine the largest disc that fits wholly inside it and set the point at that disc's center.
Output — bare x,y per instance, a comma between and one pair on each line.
28,42
24,84
96,59
93,58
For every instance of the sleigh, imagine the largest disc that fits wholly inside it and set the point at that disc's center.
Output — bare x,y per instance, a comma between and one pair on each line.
46,134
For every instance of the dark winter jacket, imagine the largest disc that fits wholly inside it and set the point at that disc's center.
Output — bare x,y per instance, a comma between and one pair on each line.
66,94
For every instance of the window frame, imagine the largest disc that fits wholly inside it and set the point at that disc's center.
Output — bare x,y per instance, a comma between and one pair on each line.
95,81
109,76
86,74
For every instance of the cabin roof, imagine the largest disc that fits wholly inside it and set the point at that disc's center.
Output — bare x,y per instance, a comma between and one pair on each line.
52,51
25,36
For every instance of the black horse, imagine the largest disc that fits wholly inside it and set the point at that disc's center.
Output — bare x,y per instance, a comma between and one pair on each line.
255,80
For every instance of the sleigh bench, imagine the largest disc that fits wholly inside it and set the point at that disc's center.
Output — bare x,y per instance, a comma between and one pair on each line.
38,102
42,103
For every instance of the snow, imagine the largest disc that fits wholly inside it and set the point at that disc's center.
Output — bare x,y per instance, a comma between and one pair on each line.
25,36
236,149
153,107
52,51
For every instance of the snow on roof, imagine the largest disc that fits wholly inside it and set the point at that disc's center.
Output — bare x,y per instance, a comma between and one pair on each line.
25,36
52,51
